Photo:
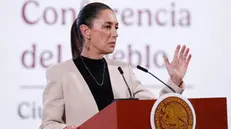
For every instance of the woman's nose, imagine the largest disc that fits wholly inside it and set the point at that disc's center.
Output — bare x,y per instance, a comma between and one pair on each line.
114,33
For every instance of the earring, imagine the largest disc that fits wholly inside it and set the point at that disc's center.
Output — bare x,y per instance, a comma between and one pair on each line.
88,44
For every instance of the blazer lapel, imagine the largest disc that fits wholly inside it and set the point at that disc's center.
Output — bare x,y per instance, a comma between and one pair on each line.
84,90
117,82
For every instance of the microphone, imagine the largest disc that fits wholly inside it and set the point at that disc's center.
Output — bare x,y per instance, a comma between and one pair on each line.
146,71
129,90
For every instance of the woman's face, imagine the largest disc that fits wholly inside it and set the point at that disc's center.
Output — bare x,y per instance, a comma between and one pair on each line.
103,33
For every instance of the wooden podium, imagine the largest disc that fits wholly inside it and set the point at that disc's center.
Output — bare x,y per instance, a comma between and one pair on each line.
211,113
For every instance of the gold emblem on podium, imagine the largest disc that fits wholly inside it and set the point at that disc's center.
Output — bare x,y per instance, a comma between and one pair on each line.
173,112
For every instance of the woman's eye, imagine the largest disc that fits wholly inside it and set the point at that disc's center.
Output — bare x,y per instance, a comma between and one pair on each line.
108,27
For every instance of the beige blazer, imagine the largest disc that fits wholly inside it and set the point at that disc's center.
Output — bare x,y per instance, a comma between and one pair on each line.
67,99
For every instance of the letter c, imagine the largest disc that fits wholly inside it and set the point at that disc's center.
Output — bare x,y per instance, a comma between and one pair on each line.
24,10
20,108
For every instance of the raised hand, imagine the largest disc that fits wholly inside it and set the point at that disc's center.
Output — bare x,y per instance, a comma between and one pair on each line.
178,67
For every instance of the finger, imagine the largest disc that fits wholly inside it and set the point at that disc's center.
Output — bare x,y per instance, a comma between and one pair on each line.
176,52
182,52
186,54
166,60
188,60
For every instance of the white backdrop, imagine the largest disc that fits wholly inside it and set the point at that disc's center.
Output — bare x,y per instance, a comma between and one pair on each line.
35,35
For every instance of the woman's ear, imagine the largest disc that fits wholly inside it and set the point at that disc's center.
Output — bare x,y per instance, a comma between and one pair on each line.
85,30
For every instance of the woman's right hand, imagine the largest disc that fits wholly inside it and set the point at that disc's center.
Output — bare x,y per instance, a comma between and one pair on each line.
70,127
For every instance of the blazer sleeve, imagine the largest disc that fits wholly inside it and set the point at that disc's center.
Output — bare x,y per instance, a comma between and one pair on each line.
178,89
53,103
141,93
138,90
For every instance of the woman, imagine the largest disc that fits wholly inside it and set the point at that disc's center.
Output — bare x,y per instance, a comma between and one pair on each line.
79,88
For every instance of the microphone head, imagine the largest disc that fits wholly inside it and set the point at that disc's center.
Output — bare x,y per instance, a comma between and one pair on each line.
120,70
142,68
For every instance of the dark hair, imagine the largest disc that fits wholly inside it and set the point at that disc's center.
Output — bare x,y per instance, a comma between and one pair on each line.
85,16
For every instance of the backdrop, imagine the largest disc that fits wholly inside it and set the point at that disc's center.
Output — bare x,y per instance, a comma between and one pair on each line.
35,35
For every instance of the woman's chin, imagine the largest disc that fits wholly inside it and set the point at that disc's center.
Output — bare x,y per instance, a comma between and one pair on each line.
109,51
